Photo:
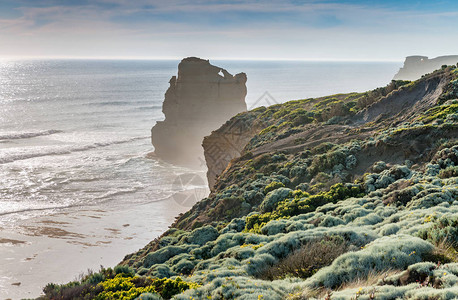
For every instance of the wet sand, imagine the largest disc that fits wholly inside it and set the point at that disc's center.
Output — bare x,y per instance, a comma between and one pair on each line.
59,247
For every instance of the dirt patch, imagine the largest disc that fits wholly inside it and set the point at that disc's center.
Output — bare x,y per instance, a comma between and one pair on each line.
336,134
54,222
113,230
30,258
52,232
406,101
10,241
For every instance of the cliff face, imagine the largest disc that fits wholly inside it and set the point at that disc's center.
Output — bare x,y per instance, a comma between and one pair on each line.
227,143
416,66
198,101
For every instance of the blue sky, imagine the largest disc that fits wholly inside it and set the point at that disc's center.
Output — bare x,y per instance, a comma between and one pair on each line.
240,29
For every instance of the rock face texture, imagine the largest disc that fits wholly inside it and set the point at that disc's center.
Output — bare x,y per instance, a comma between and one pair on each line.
416,66
199,100
225,144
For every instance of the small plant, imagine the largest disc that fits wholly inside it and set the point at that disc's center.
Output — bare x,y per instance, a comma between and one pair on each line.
120,286
451,171
299,203
443,229
273,186
308,259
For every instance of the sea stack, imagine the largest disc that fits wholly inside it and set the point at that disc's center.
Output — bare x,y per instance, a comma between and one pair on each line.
199,100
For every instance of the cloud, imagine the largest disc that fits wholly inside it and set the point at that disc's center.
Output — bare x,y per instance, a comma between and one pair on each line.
248,28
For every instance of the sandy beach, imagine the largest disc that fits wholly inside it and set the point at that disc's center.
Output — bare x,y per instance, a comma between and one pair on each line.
58,247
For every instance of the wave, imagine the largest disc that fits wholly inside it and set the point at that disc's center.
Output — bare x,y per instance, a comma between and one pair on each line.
110,194
27,135
68,150
101,200
32,209
117,103
149,107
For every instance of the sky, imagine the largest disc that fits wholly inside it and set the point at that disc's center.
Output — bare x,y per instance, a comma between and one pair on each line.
349,30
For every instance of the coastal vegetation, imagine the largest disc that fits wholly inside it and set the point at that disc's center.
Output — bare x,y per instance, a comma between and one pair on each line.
340,197
120,283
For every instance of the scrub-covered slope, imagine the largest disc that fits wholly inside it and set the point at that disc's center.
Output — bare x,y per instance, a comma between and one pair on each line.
347,196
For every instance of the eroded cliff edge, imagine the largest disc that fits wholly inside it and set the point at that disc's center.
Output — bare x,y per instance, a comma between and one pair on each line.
336,119
199,100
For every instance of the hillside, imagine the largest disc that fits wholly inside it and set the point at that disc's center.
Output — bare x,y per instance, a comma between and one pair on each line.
346,196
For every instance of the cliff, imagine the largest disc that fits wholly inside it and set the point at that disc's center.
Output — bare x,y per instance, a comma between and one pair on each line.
289,128
416,66
346,196
198,101
229,141
226,143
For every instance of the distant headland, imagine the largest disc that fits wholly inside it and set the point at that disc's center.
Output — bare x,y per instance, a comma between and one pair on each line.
416,66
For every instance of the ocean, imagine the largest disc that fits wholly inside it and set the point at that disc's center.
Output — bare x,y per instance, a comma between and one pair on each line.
75,136
76,133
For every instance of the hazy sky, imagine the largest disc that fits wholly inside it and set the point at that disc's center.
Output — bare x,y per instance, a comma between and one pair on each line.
289,29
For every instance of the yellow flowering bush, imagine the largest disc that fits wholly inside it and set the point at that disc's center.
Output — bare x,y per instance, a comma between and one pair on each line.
121,287
126,287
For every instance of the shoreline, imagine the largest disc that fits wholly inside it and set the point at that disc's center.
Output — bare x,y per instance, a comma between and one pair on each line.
56,248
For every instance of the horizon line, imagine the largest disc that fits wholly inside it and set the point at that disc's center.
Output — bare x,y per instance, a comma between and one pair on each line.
180,58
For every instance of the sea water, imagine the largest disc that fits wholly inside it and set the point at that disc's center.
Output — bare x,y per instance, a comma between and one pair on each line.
76,133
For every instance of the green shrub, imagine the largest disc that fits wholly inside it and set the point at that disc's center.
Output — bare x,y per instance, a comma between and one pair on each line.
301,203
162,255
149,296
451,171
126,270
184,266
273,198
94,278
307,260
273,186
393,252
439,112
161,271
443,229
202,235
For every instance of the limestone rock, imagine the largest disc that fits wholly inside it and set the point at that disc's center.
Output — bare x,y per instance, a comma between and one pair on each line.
416,66
199,100
225,144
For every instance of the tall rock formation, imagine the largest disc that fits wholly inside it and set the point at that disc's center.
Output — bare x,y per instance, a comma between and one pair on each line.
199,100
416,66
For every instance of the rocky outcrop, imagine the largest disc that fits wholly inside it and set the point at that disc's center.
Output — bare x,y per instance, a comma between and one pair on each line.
416,66
225,144
198,101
